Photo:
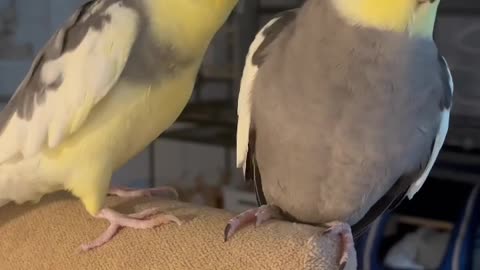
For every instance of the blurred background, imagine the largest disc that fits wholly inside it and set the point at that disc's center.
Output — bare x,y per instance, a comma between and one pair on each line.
436,230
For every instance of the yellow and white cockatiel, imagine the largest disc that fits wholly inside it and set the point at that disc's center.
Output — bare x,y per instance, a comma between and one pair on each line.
112,79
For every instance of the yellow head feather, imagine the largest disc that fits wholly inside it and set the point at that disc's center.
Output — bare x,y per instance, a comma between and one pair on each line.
391,15
188,24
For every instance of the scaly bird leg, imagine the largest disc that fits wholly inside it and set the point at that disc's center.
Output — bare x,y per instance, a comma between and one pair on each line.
345,232
137,220
259,215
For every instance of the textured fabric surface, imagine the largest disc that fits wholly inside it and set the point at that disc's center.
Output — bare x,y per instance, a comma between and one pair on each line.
47,236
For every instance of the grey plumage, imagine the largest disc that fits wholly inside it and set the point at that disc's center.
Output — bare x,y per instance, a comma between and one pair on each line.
354,111
142,64
67,38
32,89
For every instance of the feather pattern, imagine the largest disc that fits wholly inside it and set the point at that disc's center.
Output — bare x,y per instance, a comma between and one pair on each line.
445,106
245,130
244,110
409,184
77,68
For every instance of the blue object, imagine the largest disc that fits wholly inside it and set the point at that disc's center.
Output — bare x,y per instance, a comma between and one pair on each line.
459,255
368,245
460,249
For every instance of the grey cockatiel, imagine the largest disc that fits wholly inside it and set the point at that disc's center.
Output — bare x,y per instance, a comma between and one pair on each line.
342,113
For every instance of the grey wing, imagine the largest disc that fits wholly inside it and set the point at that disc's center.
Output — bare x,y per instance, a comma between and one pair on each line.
23,99
68,77
409,183
257,53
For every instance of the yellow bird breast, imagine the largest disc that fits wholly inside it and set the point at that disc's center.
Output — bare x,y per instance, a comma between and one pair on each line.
127,120
119,127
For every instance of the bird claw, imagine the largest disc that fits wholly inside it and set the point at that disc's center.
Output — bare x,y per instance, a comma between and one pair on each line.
137,220
345,232
260,215
266,212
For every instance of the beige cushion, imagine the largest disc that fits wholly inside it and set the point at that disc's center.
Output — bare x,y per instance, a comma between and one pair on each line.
47,236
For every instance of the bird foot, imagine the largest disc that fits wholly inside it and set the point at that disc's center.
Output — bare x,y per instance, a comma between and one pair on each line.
345,232
136,221
259,215
126,192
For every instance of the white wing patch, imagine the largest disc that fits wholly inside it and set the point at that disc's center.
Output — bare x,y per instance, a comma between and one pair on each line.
439,140
88,73
245,98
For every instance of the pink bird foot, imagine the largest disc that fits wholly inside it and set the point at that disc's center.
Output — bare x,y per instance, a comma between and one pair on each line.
259,215
345,232
135,221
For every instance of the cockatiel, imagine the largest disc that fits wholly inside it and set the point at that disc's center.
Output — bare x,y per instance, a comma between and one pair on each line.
109,82
343,108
